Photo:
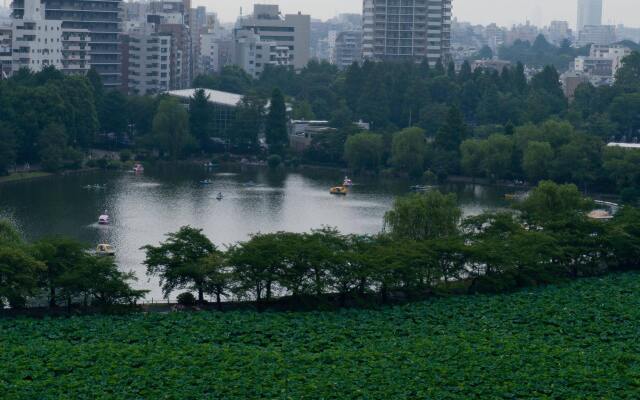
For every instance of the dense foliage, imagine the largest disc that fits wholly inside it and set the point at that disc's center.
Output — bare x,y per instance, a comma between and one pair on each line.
60,270
568,342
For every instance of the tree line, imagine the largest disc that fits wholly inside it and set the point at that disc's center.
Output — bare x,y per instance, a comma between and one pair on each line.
60,271
53,120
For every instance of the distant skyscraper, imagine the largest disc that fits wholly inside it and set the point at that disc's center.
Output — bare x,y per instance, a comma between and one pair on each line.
589,13
407,29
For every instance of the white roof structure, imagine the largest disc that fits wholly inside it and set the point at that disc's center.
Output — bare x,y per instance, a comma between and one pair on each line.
215,96
625,145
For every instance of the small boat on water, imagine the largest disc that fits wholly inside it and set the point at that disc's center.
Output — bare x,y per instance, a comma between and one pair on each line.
105,250
347,182
220,197
339,191
419,188
95,187
104,219
138,169
206,182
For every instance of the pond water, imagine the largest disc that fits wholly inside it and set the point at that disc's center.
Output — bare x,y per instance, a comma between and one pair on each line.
143,208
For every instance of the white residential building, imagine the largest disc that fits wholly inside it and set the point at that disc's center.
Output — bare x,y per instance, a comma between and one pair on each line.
253,53
291,31
149,57
602,64
348,49
36,42
6,58
407,29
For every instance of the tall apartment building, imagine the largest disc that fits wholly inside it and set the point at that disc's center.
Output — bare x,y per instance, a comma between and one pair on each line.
348,48
99,21
36,42
291,31
148,57
589,13
407,29
6,58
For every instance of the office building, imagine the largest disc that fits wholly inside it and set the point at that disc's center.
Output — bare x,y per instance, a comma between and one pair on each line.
291,31
407,29
96,21
589,13
348,49
558,32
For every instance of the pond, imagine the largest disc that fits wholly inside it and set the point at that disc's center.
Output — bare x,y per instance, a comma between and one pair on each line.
143,208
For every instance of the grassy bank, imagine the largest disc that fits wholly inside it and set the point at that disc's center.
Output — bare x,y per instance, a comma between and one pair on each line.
22,176
573,341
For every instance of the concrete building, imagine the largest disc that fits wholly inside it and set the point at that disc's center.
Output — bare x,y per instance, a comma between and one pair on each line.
559,31
571,80
291,31
407,29
100,19
253,53
494,64
148,58
602,64
589,13
6,56
348,49
36,42
597,34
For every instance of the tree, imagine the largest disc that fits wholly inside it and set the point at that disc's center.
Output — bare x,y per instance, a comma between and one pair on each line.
257,265
7,148
218,277
550,203
423,216
625,111
473,153
181,262
408,151
536,161
18,276
364,151
276,127
628,77
249,121
485,53
59,256
499,156
171,128
200,115
52,144
453,132
113,113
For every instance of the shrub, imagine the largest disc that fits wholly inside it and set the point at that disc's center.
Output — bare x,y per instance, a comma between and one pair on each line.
187,299
274,161
126,155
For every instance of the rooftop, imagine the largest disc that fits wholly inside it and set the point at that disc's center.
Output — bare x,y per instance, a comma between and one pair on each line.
215,96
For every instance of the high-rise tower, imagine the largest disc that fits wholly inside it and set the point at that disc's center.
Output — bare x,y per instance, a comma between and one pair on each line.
589,13
407,29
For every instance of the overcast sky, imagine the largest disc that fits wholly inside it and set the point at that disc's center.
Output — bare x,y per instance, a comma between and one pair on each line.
504,12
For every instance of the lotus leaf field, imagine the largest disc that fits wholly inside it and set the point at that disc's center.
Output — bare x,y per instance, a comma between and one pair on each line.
574,341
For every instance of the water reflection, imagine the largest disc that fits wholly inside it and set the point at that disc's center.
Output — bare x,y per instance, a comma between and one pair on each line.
144,208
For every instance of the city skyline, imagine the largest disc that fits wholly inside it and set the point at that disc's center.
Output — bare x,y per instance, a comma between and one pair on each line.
502,12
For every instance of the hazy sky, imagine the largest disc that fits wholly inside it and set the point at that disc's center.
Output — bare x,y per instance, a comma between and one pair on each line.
504,12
